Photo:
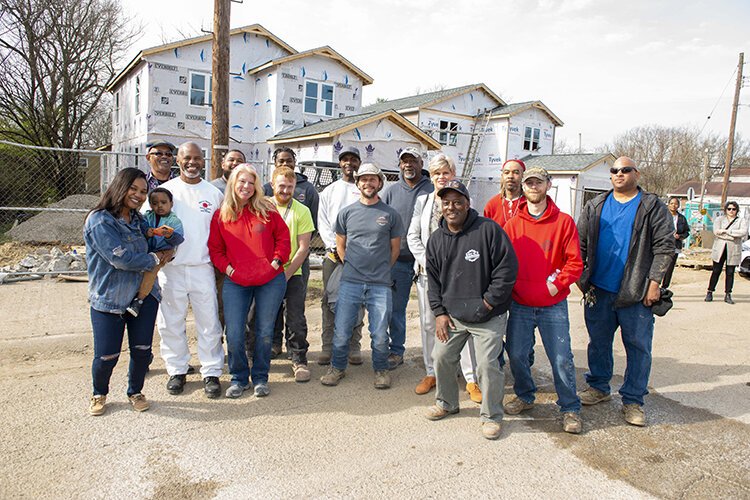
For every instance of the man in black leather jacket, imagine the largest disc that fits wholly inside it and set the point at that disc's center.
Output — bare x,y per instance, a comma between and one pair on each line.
626,246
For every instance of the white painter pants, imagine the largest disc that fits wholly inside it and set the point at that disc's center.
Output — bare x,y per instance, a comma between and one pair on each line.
427,326
196,285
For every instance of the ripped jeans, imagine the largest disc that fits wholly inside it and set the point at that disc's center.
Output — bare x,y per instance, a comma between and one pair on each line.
109,330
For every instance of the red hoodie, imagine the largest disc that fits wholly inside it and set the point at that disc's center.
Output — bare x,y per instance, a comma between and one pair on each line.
543,246
502,210
249,245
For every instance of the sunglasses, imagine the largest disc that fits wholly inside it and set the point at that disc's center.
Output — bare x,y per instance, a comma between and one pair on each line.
624,170
159,154
732,209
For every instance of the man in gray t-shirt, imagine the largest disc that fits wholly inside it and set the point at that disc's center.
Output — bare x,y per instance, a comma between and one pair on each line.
368,239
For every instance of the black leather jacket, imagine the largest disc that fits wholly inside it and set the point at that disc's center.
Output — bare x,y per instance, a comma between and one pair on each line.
651,246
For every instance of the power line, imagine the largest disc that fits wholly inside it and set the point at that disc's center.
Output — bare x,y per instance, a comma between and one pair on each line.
717,101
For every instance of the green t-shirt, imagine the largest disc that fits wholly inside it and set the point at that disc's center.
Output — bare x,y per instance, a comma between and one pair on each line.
299,221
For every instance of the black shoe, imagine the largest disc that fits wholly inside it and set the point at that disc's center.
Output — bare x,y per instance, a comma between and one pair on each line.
150,360
728,298
176,384
212,387
275,351
191,370
135,307
709,297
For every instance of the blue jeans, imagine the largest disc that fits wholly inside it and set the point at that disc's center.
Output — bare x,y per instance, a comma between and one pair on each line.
109,330
402,274
636,324
554,329
378,302
237,300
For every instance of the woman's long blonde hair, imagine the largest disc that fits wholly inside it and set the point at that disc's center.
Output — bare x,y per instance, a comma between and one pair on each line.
259,204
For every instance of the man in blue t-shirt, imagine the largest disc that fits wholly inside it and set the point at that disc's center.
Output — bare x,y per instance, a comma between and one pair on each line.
368,239
626,246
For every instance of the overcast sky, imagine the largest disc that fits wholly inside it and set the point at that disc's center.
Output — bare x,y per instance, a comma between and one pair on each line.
602,66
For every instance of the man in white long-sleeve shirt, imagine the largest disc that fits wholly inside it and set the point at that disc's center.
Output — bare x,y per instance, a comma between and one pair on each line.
334,197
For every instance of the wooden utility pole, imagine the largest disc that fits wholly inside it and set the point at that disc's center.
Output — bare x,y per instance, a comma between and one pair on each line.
220,87
704,178
730,142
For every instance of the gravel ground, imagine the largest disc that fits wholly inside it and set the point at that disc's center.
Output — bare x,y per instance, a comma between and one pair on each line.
54,227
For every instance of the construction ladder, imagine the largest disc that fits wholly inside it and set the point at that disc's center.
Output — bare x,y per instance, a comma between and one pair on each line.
475,144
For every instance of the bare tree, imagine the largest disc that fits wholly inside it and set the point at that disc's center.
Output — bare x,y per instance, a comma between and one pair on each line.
56,59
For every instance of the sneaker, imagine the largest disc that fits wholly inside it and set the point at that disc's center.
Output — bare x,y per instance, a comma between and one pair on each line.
634,414
728,298
593,396
324,358
212,387
275,351
709,297
332,377
436,412
301,372
135,307
236,390
382,379
261,390
572,422
474,393
97,405
176,384
516,405
491,430
139,402
394,360
355,358
426,385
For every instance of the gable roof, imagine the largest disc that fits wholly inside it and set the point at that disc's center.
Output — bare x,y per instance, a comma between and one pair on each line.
253,29
337,126
428,99
509,110
325,51
566,162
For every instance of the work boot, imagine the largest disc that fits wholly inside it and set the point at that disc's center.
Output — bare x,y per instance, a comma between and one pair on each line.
97,405
728,298
474,393
275,351
516,406
634,414
436,412
324,358
139,402
426,385
491,430
382,379
212,387
332,377
394,360
301,372
355,358
709,297
572,422
176,384
593,396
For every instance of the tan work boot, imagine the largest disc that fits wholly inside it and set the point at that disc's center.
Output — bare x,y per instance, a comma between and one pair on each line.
97,405
474,393
634,414
593,396
426,385
324,358
139,402
355,358
436,412
572,422
301,372
491,430
382,379
332,377
516,405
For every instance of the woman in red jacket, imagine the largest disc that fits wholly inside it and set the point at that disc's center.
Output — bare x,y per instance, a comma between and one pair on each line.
249,242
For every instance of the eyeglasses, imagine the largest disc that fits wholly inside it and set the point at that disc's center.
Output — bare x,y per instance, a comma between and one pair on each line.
159,154
624,170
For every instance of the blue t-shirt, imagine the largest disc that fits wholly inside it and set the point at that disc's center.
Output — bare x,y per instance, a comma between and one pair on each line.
615,230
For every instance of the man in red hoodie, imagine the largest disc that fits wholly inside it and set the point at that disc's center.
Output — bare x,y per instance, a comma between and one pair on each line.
549,262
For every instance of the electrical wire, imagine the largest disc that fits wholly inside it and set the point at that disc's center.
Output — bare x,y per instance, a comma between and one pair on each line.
717,102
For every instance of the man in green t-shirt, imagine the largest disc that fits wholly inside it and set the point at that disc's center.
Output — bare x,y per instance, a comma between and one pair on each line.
301,227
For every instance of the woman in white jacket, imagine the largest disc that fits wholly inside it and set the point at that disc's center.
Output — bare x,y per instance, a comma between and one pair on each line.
427,214
729,229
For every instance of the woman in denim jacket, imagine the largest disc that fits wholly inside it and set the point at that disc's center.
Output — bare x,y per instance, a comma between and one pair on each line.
117,255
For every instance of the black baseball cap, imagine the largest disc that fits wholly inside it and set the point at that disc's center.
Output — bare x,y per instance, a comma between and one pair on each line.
454,185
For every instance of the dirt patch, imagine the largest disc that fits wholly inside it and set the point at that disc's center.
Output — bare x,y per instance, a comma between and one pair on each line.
12,252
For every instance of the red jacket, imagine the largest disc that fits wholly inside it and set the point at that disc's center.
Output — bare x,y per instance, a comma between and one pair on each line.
249,245
501,210
544,246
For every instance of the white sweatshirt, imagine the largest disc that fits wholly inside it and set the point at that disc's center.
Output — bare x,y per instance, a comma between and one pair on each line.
333,198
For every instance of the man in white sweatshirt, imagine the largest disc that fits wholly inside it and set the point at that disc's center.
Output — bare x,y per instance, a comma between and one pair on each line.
334,197
189,278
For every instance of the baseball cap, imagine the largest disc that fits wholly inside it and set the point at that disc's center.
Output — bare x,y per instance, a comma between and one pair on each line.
350,150
410,151
369,169
536,173
454,185
160,143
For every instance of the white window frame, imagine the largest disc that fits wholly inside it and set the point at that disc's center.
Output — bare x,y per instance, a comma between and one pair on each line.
320,103
137,94
206,103
534,139
445,137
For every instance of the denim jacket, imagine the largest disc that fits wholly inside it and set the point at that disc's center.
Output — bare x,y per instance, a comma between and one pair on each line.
116,255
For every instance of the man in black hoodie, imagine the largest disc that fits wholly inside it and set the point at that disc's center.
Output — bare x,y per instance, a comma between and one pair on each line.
471,270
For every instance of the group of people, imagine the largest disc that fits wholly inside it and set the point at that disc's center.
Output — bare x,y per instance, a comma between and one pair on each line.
484,283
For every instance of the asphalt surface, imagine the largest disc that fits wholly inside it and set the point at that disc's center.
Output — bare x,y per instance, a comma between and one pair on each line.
353,441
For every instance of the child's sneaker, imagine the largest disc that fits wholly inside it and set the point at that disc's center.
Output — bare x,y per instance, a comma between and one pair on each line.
135,307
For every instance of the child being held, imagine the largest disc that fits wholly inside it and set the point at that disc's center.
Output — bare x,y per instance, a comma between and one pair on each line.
164,232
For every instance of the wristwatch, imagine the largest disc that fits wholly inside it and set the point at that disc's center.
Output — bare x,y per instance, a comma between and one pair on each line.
277,261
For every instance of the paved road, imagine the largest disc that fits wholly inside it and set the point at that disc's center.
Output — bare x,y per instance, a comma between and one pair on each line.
306,440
